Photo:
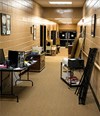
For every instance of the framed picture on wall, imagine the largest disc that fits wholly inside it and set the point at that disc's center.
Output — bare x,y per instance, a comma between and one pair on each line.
33,31
8,24
93,25
5,24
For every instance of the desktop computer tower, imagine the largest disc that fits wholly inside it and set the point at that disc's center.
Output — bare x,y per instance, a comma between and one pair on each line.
16,58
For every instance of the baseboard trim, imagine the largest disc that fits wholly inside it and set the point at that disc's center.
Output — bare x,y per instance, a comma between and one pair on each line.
96,100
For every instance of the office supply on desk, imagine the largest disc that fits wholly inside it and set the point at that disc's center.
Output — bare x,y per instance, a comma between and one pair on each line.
26,63
3,66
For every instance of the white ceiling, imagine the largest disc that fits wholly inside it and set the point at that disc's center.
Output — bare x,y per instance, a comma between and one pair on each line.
75,4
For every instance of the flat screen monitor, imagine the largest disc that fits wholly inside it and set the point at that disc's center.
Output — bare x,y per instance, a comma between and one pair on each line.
2,56
13,58
16,58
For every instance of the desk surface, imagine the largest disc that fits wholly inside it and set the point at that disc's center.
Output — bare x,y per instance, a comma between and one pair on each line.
18,68
12,69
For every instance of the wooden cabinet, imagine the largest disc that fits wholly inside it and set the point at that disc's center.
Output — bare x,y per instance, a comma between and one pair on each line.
40,64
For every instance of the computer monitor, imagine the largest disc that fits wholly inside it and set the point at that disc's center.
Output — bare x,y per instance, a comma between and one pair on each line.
2,56
16,58
13,58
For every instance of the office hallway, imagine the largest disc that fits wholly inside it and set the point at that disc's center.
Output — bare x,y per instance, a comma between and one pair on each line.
49,96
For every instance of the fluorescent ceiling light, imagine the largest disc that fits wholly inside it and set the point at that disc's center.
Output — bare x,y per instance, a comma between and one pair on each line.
64,20
60,2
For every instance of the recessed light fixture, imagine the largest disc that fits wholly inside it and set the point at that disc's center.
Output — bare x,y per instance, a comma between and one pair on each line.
64,20
61,11
60,2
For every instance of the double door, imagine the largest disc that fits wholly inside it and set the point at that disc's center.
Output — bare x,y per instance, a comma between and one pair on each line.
67,37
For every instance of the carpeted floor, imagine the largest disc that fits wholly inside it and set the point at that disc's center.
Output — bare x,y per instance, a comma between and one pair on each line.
49,96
